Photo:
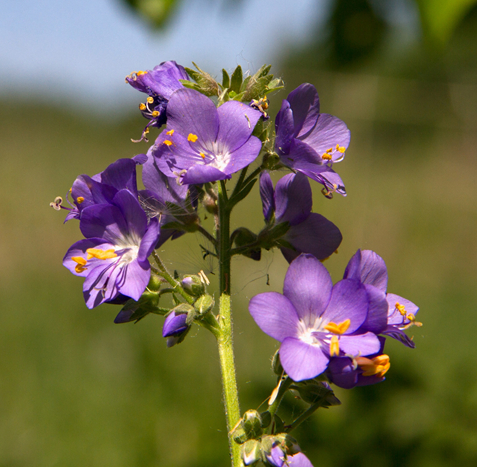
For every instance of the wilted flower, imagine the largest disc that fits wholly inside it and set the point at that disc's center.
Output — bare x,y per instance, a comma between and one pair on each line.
175,328
158,84
309,141
291,202
313,319
202,143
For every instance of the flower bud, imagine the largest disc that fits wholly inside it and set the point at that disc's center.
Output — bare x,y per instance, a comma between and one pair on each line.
193,285
251,452
252,424
177,324
276,364
266,418
204,304
238,433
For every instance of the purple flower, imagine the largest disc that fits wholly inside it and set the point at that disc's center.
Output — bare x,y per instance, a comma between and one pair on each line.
313,319
291,202
309,141
175,328
158,84
166,200
202,143
113,258
370,269
101,188
348,372
277,458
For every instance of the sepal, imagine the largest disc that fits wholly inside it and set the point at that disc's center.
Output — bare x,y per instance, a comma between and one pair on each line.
314,391
251,452
204,83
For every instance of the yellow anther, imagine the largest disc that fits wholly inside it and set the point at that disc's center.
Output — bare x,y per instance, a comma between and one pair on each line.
155,113
338,328
202,155
326,156
167,142
142,106
330,150
170,132
140,73
100,254
192,138
341,149
70,190
79,199
374,366
150,100
400,308
334,346
81,263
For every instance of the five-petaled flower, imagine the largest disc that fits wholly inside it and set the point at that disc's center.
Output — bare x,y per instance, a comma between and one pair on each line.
309,141
113,258
202,143
291,201
313,319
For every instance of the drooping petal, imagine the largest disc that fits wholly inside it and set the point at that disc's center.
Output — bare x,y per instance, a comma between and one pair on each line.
274,314
349,300
121,175
300,360
342,372
267,195
316,235
293,199
308,286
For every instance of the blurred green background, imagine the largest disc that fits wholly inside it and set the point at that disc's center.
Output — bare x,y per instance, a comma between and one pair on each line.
77,390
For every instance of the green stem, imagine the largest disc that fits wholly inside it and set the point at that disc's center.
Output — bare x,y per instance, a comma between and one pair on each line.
163,272
225,338
307,413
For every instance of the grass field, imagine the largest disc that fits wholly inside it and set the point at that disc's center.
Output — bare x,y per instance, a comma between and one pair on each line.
77,390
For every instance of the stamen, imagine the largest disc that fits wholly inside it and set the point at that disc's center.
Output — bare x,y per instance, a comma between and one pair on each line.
326,156
81,263
150,100
400,308
100,254
202,155
375,366
338,328
170,132
334,346
142,106
79,199
167,142
140,73
192,138
56,204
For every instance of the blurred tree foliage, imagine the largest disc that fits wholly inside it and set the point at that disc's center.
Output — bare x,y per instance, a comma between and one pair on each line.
355,27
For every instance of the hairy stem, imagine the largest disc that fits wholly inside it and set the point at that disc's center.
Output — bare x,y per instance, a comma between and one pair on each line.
225,337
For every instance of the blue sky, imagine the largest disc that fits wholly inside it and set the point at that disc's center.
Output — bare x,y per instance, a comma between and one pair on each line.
83,50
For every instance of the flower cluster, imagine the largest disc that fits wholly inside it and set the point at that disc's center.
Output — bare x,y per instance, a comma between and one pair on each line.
209,131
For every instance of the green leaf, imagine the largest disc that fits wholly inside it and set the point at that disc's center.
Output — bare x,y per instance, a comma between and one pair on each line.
237,78
225,79
440,18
